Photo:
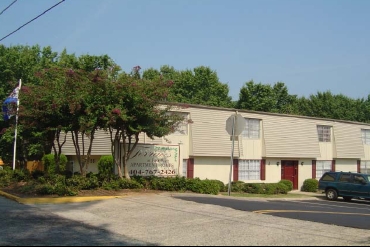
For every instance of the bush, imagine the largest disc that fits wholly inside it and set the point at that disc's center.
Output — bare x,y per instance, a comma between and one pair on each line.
236,186
222,187
49,163
275,188
105,167
37,173
21,175
6,177
253,188
288,183
128,184
203,186
310,185
83,183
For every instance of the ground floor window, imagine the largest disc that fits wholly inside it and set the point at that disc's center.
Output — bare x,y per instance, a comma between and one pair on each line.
249,169
322,166
365,167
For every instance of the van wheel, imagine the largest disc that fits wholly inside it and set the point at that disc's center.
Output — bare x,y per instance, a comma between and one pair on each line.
347,198
331,194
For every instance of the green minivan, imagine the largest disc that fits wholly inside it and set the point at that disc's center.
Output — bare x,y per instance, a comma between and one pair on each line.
345,184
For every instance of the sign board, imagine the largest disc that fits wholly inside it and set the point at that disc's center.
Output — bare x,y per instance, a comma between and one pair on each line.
239,124
154,160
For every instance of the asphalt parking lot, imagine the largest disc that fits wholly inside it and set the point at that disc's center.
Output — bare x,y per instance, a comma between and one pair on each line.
163,220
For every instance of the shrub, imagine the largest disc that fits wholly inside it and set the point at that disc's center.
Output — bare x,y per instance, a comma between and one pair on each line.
105,167
221,185
203,186
162,183
21,175
37,173
49,163
253,188
275,188
310,185
83,183
6,177
111,185
236,186
45,189
128,184
288,183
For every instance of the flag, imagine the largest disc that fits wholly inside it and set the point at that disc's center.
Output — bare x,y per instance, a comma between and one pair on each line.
9,103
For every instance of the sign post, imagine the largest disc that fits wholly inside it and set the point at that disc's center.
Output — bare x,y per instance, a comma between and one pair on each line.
234,126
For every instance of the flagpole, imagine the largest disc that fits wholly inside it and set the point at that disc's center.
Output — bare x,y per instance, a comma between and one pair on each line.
16,126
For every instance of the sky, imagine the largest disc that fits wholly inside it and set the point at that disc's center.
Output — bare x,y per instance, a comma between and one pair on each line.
309,45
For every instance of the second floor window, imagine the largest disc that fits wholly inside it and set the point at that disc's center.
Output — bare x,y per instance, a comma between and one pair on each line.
324,133
251,129
365,133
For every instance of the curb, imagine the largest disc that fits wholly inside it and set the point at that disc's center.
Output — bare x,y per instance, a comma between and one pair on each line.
56,200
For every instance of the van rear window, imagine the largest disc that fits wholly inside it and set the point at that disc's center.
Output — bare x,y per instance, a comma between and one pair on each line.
328,177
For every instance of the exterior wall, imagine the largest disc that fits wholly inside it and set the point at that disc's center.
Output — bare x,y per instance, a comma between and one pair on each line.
250,148
348,140
366,152
346,165
304,171
282,137
326,151
93,166
273,171
212,168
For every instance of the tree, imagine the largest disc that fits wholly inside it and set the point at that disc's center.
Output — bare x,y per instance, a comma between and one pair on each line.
198,86
138,110
327,105
267,98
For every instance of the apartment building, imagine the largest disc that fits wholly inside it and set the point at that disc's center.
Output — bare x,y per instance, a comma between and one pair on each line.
271,147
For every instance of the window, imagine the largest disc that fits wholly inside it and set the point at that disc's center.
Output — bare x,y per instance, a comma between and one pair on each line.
365,167
249,169
345,178
365,133
328,177
251,129
322,167
358,179
324,133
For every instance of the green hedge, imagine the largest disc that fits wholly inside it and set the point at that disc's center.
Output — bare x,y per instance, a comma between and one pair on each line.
310,185
105,168
49,163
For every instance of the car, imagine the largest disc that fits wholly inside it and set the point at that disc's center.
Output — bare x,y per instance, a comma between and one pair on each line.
348,185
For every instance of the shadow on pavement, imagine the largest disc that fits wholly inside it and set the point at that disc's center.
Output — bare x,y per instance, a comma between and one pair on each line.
23,225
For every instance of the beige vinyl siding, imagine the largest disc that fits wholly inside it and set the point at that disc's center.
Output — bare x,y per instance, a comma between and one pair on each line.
326,151
101,144
290,137
366,152
348,140
208,133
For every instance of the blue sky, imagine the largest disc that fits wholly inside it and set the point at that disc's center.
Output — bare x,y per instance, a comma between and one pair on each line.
310,45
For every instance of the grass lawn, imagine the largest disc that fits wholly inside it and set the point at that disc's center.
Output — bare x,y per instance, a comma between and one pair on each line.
290,195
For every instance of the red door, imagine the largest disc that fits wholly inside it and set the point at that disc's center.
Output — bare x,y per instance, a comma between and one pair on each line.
289,171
